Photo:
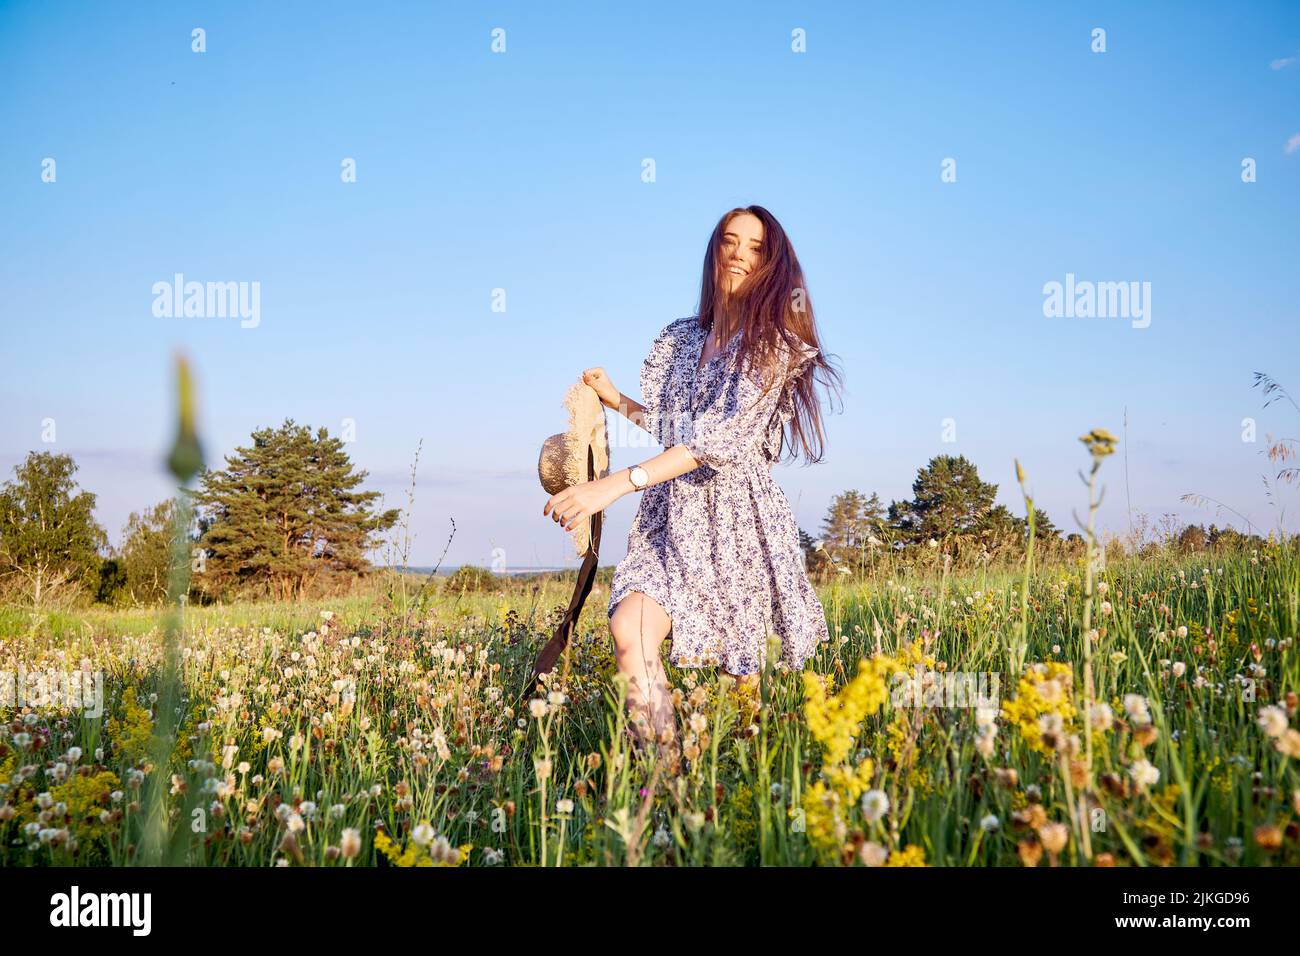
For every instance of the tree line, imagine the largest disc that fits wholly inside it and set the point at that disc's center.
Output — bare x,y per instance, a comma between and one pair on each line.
285,518
953,512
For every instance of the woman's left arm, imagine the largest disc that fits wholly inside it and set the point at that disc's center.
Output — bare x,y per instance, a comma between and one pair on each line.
583,500
721,435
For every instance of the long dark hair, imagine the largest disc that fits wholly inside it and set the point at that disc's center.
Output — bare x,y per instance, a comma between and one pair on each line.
772,307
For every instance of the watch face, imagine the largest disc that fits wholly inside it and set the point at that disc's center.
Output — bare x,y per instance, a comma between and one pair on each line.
639,476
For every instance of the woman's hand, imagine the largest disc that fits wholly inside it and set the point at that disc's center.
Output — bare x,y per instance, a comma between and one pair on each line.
571,505
605,390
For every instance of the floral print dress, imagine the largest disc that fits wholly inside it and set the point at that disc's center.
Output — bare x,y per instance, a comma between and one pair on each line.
718,547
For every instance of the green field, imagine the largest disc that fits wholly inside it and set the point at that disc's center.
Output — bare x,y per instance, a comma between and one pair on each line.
389,729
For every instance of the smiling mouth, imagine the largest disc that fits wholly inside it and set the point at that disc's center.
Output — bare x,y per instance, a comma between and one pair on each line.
736,271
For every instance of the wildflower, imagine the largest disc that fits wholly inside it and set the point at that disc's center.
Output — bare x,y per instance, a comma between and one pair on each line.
1289,744
1030,852
563,806
1051,724
873,854
1135,705
1054,836
662,838
1146,734
1099,442
910,855
875,804
537,707
990,823
543,768
1268,836
1273,720
1144,774
492,856
1178,668
1182,631
422,834
1102,717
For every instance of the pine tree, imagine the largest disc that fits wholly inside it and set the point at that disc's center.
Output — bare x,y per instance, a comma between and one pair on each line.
852,526
284,516
949,499
49,539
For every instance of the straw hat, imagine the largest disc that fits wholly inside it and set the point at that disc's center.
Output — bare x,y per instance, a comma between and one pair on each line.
579,454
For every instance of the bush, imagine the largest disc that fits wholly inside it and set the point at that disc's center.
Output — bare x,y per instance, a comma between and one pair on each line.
473,579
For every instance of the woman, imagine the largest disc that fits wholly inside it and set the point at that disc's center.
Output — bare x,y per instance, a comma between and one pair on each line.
713,554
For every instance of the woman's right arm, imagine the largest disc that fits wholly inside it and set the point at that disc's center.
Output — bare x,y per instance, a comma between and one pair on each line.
611,397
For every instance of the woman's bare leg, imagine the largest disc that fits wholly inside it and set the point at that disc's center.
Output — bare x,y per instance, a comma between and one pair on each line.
640,626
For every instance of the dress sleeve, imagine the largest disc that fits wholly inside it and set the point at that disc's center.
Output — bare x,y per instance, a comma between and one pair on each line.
654,380
725,432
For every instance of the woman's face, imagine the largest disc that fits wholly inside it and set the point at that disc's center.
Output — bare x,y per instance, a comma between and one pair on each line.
742,250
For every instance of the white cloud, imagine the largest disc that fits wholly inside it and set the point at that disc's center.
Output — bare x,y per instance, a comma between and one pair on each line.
1284,62
1293,144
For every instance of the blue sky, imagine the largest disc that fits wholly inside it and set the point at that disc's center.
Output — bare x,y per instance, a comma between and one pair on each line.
522,171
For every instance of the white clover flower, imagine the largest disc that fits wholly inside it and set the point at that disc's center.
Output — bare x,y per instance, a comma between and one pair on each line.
989,823
564,806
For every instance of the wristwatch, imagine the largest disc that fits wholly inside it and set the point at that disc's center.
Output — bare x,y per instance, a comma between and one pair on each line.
639,477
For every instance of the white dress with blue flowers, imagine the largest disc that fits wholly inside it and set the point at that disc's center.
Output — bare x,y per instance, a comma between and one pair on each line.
718,547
